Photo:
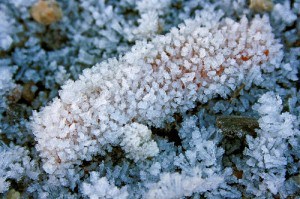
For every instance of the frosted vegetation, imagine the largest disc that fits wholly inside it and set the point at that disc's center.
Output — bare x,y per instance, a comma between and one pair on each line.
128,99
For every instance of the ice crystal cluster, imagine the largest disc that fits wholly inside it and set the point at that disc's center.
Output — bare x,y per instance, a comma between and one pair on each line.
16,164
6,84
120,98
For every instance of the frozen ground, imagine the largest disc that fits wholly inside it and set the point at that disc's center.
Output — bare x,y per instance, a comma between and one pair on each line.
232,133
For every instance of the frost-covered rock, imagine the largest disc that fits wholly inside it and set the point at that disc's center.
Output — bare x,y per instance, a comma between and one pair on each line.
194,63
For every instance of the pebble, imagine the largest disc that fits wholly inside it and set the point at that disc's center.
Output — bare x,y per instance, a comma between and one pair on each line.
46,12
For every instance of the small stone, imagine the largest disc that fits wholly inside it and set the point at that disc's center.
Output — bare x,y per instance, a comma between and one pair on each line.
261,5
237,126
13,194
46,12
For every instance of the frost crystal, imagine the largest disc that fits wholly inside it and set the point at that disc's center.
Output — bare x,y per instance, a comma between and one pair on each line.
177,185
136,142
101,188
15,164
149,23
6,85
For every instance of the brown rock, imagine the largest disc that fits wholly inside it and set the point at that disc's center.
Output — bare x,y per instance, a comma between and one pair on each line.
46,12
237,126
261,5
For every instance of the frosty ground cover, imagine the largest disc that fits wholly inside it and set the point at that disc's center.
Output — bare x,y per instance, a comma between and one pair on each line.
150,99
